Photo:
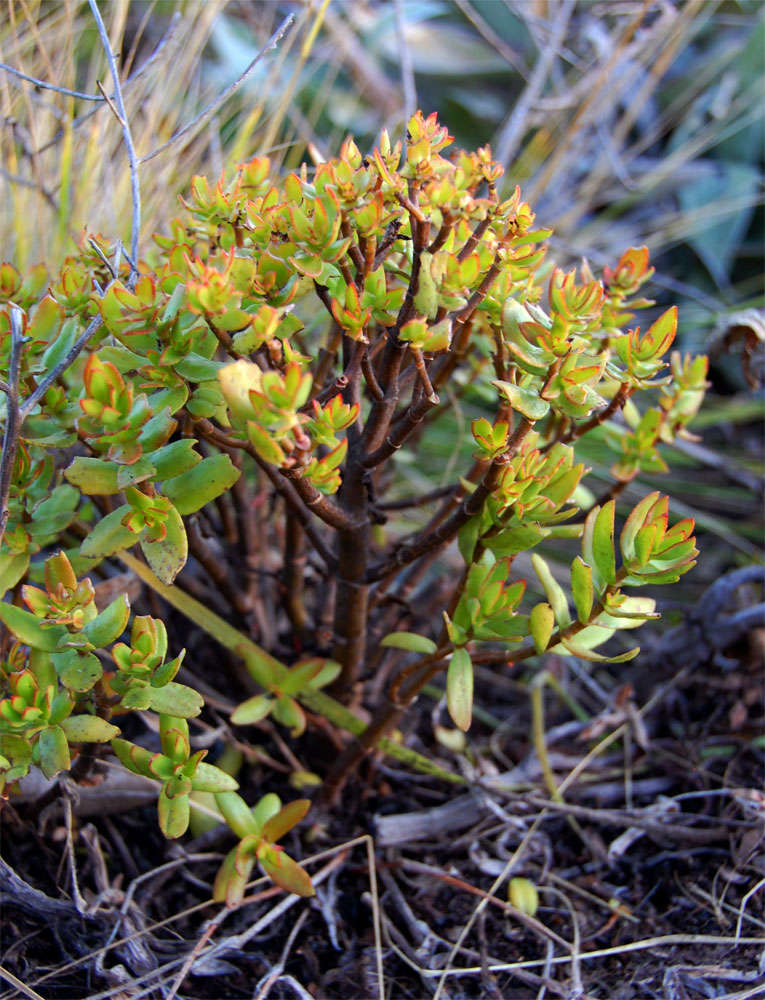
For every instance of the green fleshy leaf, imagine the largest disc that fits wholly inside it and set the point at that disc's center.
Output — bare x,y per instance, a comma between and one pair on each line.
109,535
167,557
165,673
173,814
634,523
252,710
209,778
61,705
571,646
193,489
44,433
541,626
527,402
264,444
129,475
232,878
409,641
237,814
94,476
109,624
172,460
285,872
137,697
511,541
123,359
59,346
287,817
54,751
13,566
27,629
603,542
287,711
88,729
195,368
134,758
582,588
157,430
55,513
553,591
79,671
178,700
167,400
459,689
468,538
628,612
163,768
330,671
266,807
300,676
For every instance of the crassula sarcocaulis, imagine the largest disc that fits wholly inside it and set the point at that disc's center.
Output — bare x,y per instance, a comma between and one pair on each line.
252,406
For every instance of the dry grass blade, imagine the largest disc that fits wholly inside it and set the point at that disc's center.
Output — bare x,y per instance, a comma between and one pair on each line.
202,950
207,112
122,117
22,988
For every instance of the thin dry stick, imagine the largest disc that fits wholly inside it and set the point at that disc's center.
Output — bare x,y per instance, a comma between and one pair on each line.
564,785
511,863
273,975
407,69
551,166
34,398
535,963
511,133
51,86
234,941
218,102
671,36
577,989
515,59
755,888
127,135
182,914
76,122
17,983
79,901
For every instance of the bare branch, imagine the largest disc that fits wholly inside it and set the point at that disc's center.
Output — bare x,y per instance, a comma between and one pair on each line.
407,69
32,400
511,132
128,137
50,86
214,105
76,122
25,182
513,58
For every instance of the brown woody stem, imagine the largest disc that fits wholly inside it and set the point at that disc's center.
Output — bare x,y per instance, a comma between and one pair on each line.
623,393
426,540
281,484
401,432
294,573
352,595
418,673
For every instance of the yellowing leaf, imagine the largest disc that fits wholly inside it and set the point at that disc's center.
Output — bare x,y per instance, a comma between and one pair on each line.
459,689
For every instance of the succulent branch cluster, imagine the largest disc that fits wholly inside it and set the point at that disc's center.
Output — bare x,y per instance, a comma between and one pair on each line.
244,408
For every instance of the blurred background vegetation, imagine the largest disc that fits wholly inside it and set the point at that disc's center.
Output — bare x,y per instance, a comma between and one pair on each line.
624,122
